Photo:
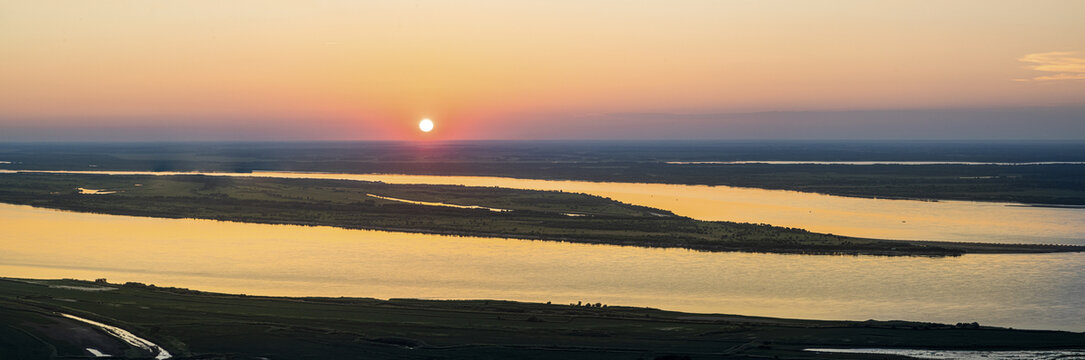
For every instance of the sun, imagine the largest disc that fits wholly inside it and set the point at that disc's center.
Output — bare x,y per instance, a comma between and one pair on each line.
426,125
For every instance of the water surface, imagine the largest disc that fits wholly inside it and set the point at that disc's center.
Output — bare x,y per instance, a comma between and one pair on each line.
1024,291
961,221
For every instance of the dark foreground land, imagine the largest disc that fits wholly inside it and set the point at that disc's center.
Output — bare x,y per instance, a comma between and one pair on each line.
542,215
198,325
629,161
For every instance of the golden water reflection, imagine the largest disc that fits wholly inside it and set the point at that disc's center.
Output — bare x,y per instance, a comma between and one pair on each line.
1024,291
963,221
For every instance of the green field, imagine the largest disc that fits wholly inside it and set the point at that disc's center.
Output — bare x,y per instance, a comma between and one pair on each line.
199,325
540,215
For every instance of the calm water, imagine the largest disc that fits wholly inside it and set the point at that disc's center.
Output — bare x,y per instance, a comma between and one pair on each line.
965,221
1023,291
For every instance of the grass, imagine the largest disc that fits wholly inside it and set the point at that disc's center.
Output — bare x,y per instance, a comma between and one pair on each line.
534,214
194,324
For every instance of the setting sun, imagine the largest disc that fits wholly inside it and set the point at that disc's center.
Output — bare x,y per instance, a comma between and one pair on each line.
426,125
835,179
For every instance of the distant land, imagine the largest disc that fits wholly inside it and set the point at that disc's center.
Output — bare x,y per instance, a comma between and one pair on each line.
629,161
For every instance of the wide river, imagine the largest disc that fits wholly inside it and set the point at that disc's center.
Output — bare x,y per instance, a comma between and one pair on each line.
1041,291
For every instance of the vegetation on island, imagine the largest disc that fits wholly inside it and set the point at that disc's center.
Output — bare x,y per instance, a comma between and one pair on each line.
192,324
541,215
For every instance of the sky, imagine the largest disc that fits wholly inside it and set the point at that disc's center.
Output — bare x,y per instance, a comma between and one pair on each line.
589,69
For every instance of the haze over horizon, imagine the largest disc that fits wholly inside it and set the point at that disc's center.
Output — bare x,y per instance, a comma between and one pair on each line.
340,70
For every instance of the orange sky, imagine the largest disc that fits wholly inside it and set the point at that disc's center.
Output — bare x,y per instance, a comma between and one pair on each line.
508,69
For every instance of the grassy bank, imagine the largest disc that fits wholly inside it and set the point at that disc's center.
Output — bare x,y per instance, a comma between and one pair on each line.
544,215
193,324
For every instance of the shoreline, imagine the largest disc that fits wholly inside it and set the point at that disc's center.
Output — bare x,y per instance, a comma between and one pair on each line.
537,215
926,248
182,321
255,172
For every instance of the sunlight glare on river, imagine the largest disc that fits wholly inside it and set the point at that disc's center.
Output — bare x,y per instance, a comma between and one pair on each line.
1023,291
960,221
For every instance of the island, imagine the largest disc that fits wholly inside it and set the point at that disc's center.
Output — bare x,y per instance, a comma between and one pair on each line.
445,209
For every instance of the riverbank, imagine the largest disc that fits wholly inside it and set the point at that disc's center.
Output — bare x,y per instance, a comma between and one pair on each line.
533,215
195,324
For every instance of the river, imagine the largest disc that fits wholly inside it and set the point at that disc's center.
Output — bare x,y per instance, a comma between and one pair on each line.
962,221
1040,291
